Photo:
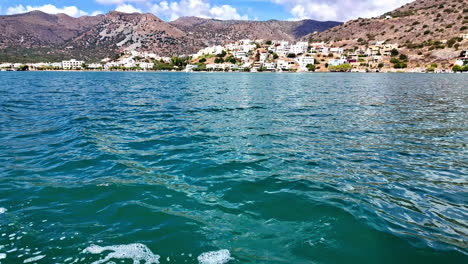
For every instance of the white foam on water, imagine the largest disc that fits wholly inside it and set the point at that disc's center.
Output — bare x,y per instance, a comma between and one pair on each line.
215,257
3,210
137,252
36,258
2,256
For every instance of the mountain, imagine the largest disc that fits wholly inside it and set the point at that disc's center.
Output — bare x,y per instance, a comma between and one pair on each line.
37,36
37,29
143,32
215,32
429,30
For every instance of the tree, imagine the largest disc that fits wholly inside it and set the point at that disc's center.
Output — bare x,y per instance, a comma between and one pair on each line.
403,57
275,56
457,68
310,67
179,62
291,55
268,42
202,60
340,68
381,65
231,60
219,60
394,52
23,68
222,54
400,65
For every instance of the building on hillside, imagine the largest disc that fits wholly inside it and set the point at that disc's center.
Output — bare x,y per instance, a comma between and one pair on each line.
336,62
240,54
270,66
463,59
283,51
304,61
337,50
324,50
215,50
299,48
284,64
264,55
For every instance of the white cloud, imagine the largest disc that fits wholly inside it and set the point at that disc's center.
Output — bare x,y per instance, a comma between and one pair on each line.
119,2
201,8
95,13
340,10
51,9
127,8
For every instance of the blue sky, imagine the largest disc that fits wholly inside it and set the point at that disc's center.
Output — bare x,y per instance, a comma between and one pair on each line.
338,10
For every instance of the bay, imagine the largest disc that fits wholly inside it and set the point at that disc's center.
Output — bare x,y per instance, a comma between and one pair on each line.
233,168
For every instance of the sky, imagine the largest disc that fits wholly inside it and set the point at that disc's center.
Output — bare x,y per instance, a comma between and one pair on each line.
169,10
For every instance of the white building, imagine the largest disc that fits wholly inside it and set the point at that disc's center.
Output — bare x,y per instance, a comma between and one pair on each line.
304,61
264,56
56,64
95,66
336,62
299,48
146,65
283,51
270,66
72,64
240,54
215,50
337,50
6,65
190,67
284,65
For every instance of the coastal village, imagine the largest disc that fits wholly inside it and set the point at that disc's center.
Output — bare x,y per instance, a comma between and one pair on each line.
264,56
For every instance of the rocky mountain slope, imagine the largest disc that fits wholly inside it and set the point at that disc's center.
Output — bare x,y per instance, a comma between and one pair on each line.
37,29
428,30
38,36
215,32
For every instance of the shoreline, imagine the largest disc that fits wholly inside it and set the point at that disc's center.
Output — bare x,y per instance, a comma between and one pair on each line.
270,72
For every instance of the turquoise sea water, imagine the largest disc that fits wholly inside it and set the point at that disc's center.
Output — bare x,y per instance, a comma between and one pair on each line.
255,168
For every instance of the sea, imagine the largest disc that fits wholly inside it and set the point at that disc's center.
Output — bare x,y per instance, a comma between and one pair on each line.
214,168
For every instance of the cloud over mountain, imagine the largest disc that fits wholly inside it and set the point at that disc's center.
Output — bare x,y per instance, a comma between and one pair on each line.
48,8
341,10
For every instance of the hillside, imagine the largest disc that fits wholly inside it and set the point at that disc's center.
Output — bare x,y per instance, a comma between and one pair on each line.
37,36
428,30
216,32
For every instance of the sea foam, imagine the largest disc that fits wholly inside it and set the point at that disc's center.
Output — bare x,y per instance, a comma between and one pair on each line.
137,252
215,257
36,258
2,210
